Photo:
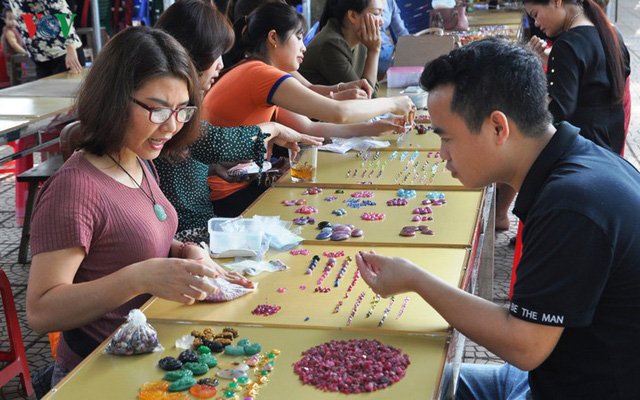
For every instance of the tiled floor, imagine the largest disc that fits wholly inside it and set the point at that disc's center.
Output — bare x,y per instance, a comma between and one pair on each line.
37,346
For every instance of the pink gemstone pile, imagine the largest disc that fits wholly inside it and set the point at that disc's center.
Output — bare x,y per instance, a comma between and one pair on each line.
398,201
422,210
419,218
372,216
353,366
266,309
313,190
299,252
299,202
334,254
365,194
422,119
307,210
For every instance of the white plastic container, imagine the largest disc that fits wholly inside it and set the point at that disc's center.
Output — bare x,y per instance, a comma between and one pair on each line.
417,95
243,242
398,77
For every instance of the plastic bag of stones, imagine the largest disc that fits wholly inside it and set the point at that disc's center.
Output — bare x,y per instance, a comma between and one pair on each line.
135,336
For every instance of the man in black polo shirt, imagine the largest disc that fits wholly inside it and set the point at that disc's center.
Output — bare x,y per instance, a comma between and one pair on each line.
574,316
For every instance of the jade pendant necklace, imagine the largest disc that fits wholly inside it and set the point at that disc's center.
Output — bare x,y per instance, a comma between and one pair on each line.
161,214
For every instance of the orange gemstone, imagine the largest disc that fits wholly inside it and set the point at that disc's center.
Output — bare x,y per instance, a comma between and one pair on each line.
203,391
157,385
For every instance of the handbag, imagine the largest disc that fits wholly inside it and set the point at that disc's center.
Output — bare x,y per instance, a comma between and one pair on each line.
450,19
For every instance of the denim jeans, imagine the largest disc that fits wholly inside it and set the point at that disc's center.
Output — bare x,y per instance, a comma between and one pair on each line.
59,372
492,382
386,57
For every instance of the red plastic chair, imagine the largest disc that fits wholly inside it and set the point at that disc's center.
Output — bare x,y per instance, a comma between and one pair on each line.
15,358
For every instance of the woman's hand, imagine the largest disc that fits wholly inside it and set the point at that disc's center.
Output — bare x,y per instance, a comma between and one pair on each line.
198,254
369,33
361,84
175,279
539,46
386,125
71,60
222,170
349,94
404,106
286,137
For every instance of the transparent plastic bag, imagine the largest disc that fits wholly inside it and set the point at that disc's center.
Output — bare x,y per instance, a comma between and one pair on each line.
135,336
236,237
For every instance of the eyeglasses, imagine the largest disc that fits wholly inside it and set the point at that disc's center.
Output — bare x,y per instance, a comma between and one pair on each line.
160,115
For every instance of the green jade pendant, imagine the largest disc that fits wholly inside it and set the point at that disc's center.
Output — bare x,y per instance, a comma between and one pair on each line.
160,212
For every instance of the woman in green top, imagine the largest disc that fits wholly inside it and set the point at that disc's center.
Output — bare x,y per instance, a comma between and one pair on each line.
206,34
348,44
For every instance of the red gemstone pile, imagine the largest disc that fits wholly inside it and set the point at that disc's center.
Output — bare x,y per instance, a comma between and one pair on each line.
266,309
353,366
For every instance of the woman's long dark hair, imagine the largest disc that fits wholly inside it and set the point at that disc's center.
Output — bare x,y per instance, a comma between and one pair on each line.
338,9
610,43
200,28
253,30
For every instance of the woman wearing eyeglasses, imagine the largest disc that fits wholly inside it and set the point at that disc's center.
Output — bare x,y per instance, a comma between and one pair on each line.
102,232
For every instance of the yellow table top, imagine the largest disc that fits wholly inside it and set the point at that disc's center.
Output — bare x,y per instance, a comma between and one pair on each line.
396,168
33,107
104,376
69,76
453,223
479,18
302,308
413,141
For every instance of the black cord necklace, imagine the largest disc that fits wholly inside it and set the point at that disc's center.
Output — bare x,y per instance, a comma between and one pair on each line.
157,208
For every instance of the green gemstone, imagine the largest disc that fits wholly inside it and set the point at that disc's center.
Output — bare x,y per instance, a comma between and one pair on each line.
233,385
160,213
264,372
204,350
271,355
229,394
243,380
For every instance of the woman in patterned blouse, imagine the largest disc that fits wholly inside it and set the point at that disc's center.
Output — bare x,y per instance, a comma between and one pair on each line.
206,34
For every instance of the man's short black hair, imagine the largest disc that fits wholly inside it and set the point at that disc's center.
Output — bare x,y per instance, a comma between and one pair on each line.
489,75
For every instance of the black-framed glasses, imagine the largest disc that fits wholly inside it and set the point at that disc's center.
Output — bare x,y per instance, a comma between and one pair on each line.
160,115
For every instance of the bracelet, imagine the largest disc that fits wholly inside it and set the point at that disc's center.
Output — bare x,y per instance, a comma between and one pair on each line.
183,246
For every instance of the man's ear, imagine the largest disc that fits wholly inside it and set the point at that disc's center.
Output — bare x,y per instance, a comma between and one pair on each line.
500,125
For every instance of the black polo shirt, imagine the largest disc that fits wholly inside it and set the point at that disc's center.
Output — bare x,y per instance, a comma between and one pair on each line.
580,268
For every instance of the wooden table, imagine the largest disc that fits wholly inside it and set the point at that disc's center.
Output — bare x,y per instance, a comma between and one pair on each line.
306,309
44,88
104,376
34,108
10,129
